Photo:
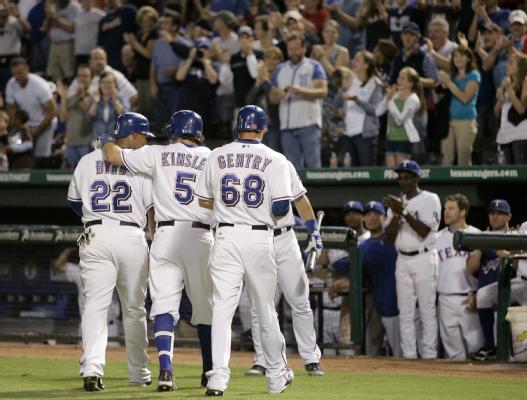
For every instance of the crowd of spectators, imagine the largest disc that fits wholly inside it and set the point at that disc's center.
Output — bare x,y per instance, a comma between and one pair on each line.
345,83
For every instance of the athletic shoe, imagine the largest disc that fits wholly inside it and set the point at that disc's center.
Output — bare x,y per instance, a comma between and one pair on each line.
255,370
485,353
93,384
166,381
141,384
204,380
314,369
287,380
214,393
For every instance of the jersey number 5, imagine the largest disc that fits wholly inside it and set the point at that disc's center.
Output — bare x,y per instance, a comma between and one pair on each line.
120,191
184,193
253,187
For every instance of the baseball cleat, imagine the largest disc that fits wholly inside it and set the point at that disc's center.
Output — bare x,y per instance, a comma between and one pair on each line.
288,380
485,353
166,381
204,380
141,384
93,384
255,370
314,369
214,393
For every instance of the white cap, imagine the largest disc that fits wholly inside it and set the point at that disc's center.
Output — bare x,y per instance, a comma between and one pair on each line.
517,16
293,14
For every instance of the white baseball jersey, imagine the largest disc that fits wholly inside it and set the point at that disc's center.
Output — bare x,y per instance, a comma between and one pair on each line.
298,190
110,192
244,177
426,207
174,169
453,277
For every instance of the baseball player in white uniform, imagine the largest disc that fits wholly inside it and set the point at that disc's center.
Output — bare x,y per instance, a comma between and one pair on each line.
113,204
244,182
459,326
293,282
180,250
412,225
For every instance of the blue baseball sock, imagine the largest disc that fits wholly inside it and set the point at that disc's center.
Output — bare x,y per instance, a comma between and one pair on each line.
206,347
164,333
486,319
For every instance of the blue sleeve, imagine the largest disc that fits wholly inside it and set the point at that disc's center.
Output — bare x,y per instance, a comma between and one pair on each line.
280,207
76,206
318,71
341,266
474,75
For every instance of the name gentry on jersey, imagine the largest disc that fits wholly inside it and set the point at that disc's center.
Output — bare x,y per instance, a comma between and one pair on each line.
105,167
243,160
171,158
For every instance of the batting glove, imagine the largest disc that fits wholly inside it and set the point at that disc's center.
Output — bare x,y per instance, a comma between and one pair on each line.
315,243
106,138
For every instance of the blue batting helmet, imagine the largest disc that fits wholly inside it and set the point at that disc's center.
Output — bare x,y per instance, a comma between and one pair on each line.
184,122
251,118
131,122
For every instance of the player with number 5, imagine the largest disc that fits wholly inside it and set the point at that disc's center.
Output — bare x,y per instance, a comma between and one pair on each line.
180,250
113,204
248,186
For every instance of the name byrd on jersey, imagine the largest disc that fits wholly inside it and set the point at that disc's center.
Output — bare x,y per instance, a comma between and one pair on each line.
105,167
243,160
187,160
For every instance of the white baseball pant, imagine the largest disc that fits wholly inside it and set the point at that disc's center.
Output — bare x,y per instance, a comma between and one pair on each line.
293,282
459,327
179,259
241,254
416,278
487,296
116,256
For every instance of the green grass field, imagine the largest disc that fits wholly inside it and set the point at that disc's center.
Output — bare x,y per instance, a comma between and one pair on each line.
44,378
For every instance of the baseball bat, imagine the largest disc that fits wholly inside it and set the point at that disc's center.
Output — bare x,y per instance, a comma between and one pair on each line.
312,257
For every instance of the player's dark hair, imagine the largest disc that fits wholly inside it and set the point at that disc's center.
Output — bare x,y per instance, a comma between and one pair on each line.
461,200
196,139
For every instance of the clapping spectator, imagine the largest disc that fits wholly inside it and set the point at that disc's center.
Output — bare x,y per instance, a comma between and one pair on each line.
112,27
32,94
86,30
72,112
99,65
371,16
260,95
59,23
198,79
263,33
143,45
38,38
438,44
362,124
315,12
384,53
402,13
163,68
463,82
403,104
105,106
12,28
512,103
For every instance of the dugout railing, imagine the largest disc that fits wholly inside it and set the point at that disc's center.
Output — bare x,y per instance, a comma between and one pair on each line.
497,241
37,304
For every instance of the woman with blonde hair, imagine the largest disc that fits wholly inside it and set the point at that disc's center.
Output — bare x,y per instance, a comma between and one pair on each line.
143,46
403,102
463,82
512,103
